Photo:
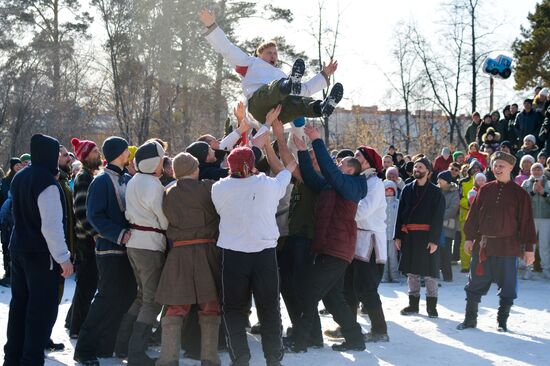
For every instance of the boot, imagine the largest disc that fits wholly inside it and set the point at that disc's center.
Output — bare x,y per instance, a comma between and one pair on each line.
379,329
502,316
123,335
470,320
54,347
413,306
431,307
138,345
354,340
210,330
331,101
171,341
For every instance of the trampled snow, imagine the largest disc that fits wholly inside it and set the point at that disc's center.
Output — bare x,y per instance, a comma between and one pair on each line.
414,340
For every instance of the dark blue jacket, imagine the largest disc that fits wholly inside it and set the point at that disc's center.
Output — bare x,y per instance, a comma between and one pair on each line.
104,211
350,187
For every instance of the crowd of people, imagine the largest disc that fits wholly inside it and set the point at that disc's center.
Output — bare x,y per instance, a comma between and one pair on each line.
196,238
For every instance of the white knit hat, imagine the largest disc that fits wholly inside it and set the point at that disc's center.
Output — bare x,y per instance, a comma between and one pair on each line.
531,138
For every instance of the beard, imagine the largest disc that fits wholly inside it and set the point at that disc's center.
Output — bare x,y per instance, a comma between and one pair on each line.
419,175
92,164
66,169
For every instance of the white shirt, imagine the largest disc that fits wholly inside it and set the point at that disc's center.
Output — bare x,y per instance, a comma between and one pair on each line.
51,217
259,72
371,222
144,195
247,208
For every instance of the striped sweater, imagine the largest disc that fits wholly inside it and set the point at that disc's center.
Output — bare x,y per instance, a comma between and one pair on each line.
81,183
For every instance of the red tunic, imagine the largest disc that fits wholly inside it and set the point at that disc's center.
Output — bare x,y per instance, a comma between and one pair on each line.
502,211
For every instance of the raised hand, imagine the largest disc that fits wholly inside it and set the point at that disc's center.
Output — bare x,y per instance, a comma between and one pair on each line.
312,132
330,69
299,143
239,112
273,115
261,140
278,129
206,17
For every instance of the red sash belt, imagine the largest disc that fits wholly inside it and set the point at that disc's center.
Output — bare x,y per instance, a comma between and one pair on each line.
147,228
181,243
415,227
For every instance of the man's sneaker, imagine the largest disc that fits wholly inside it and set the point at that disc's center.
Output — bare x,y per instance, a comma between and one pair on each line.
376,337
298,70
346,346
332,100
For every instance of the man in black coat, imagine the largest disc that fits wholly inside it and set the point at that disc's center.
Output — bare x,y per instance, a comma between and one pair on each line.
417,235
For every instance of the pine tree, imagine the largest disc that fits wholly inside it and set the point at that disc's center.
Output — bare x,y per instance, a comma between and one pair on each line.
532,49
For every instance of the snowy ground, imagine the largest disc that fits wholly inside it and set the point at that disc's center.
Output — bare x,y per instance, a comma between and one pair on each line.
413,340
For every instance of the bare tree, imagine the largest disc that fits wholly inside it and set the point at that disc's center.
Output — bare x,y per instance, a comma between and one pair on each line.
407,74
326,38
444,72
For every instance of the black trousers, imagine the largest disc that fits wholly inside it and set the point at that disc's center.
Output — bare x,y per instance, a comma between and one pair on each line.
325,281
445,257
240,273
116,290
502,270
294,261
456,246
5,235
361,284
33,308
86,283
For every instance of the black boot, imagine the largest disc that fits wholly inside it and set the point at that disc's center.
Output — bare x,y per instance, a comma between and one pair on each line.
379,329
354,340
54,347
502,316
123,335
139,340
431,307
331,101
293,84
470,319
413,306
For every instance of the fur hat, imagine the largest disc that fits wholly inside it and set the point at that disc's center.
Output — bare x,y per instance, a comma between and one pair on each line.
509,158
491,131
148,157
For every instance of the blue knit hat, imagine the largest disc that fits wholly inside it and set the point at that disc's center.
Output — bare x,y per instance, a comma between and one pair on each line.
446,176
113,147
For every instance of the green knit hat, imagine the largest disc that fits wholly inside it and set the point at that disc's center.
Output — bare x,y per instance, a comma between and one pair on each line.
25,157
456,154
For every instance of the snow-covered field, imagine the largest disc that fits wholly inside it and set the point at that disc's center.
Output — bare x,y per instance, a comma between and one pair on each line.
414,340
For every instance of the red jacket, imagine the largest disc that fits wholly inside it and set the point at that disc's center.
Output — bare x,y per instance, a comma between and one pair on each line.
335,226
442,164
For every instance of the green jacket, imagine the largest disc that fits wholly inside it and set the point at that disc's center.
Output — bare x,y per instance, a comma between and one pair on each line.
540,203
70,234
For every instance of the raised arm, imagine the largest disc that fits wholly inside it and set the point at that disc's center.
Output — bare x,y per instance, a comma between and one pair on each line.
284,151
221,44
313,180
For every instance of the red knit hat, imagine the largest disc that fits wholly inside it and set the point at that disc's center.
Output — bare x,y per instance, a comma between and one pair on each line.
82,148
241,161
372,157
